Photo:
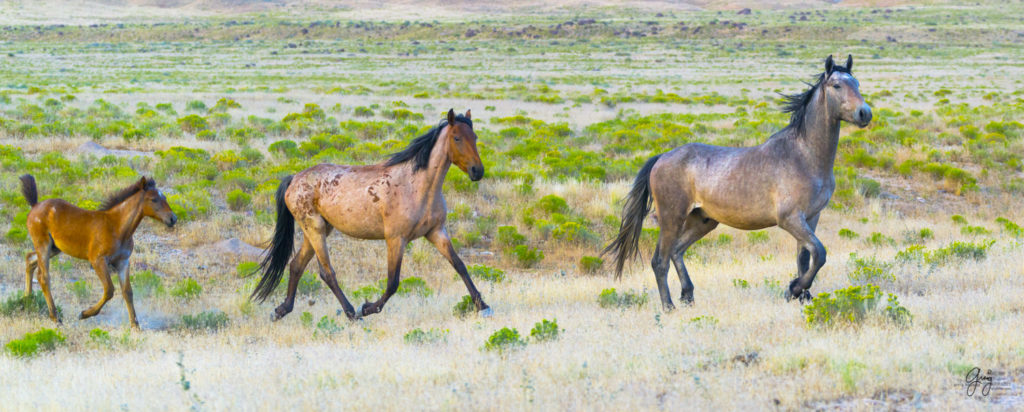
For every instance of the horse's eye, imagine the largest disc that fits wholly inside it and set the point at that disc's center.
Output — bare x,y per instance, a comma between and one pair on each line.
836,86
457,138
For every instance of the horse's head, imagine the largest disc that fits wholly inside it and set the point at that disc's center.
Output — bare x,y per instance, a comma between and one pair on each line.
154,203
842,90
462,146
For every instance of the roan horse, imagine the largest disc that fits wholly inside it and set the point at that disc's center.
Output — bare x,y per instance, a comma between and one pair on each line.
103,237
785,181
399,201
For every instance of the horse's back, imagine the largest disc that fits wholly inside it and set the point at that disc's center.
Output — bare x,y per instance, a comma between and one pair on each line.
70,227
347,197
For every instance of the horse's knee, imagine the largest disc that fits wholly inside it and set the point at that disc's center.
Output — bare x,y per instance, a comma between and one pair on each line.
819,254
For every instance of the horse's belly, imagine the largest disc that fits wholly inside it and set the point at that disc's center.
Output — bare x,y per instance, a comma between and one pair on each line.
355,221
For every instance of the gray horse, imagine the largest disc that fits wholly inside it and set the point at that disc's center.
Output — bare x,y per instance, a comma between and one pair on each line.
785,181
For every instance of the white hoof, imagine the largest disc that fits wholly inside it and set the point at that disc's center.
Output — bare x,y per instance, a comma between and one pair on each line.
487,313
359,312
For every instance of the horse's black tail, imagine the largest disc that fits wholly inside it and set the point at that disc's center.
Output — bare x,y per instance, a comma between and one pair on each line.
276,257
28,189
638,204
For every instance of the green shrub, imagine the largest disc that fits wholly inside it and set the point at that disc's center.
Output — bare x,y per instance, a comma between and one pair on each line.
18,303
186,289
925,233
877,239
210,320
959,250
464,307
850,305
869,270
419,336
415,285
704,321
545,330
99,337
80,289
196,106
246,269
508,236
553,204
611,298
740,284
848,234
146,283
958,219
306,319
897,313
504,340
34,342
193,123
486,273
525,256
591,264
366,292
1010,227
758,237
973,230
238,200
913,253
362,111
326,327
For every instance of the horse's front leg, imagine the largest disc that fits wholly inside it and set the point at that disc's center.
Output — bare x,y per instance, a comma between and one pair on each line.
439,238
808,244
124,276
396,247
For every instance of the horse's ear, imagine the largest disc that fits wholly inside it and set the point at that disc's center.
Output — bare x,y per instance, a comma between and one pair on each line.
849,63
829,65
142,182
451,116
468,115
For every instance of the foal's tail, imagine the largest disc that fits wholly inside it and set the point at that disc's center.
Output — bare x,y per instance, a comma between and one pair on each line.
638,204
28,189
276,257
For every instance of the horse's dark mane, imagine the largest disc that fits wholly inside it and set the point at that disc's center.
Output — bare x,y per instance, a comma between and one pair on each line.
796,104
123,194
420,147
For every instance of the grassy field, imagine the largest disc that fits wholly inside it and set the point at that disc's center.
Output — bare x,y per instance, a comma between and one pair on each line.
219,101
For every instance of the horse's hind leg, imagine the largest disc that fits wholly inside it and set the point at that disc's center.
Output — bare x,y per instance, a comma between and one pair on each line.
396,246
31,264
103,271
316,229
695,227
43,255
810,246
443,244
295,269
660,264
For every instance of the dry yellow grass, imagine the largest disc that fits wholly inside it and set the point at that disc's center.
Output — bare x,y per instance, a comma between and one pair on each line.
606,359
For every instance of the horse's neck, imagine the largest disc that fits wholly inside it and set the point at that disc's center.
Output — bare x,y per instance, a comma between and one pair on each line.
431,179
127,216
820,135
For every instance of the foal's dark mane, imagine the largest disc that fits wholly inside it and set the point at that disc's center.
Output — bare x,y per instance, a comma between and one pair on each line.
420,147
123,194
797,103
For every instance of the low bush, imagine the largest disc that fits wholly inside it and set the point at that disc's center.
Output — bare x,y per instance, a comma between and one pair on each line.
18,303
207,320
504,340
238,200
464,308
146,283
610,298
487,273
186,289
32,343
246,269
525,256
419,336
545,330
591,264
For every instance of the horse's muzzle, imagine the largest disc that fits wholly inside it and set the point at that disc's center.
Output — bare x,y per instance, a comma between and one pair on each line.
476,173
172,221
863,115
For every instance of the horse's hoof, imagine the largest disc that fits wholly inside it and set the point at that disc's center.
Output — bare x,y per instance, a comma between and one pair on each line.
81,315
668,307
488,312
805,297
686,298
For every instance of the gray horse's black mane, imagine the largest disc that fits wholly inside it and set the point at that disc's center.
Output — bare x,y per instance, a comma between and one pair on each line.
420,147
797,103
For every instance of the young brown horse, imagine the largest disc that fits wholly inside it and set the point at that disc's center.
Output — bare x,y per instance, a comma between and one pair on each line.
398,201
103,237
785,181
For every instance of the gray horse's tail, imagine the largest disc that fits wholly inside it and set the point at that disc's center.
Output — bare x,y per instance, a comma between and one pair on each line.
638,204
